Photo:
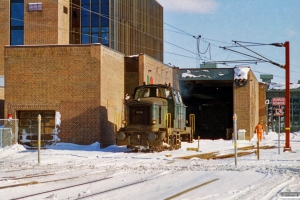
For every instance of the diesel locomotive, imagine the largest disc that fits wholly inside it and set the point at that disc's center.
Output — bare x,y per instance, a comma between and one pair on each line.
155,119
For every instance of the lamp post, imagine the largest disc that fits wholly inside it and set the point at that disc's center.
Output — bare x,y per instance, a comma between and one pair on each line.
287,97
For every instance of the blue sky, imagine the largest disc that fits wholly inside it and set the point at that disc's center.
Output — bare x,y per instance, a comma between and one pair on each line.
221,21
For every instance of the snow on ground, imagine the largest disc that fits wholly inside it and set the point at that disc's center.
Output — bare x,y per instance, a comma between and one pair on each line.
69,171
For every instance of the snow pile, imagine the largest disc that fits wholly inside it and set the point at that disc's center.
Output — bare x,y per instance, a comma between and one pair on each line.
16,148
241,73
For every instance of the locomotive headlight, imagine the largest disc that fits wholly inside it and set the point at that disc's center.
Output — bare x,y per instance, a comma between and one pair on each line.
153,122
151,136
123,121
120,135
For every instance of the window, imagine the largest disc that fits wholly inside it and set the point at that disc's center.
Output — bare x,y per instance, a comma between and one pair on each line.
104,9
85,18
28,125
104,29
104,21
95,15
17,22
65,10
85,39
176,97
95,38
85,22
159,113
94,18
17,14
17,37
74,14
104,38
35,6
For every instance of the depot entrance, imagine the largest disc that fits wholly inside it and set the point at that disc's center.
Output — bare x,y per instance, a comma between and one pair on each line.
211,101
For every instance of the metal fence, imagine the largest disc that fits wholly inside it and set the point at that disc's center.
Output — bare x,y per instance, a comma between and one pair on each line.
8,132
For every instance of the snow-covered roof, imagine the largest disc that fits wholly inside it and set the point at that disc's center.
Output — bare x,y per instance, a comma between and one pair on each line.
281,86
241,72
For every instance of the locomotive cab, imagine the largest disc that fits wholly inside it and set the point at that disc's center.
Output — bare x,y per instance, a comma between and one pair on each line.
154,119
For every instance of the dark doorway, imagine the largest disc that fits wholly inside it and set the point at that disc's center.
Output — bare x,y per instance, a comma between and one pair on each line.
28,126
212,104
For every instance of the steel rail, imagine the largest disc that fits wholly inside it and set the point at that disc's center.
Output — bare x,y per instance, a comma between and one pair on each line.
54,190
112,189
123,186
190,189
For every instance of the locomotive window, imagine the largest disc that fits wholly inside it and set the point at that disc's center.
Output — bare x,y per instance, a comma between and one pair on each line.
147,93
159,92
179,97
159,120
142,92
176,97
152,92
162,92
168,93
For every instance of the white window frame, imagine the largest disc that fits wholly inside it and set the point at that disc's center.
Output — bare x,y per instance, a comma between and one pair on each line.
35,6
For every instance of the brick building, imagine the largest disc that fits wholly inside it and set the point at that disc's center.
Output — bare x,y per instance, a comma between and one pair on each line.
142,69
47,70
53,62
250,105
130,27
83,82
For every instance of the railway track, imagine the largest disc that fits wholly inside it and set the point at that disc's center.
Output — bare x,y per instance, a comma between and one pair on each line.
242,151
190,189
63,188
41,182
85,183
123,186
24,177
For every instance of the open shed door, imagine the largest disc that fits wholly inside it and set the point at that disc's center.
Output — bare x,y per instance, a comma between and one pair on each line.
210,98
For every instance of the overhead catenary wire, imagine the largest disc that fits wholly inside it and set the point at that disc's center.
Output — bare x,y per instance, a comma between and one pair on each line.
181,32
186,32
252,44
145,32
266,59
142,31
198,47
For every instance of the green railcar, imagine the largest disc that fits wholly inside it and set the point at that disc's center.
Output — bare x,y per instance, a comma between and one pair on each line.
155,119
